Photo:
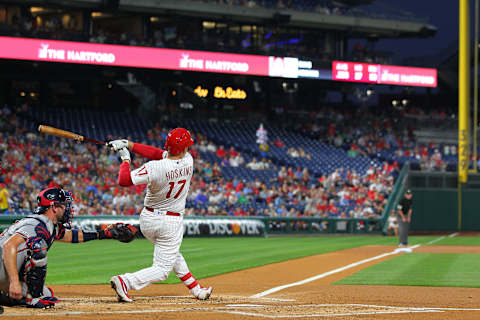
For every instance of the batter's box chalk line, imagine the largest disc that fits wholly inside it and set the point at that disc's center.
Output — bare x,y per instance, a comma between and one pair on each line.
223,299
270,311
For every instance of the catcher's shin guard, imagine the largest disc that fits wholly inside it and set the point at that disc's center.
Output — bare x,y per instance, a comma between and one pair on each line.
35,279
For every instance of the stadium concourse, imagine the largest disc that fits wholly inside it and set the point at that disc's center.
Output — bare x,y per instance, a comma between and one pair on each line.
343,172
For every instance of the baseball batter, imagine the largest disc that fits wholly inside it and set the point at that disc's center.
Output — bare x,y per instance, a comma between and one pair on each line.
24,247
161,221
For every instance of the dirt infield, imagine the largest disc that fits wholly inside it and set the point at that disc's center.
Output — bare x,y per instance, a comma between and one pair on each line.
232,296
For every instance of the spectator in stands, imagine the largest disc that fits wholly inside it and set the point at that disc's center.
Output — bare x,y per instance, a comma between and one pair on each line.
211,146
292,152
220,152
392,223
207,171
254,164
263,165
202,146
201,197
303,154
282,174
225,161
242,198
232,152
4,198
278,143
216,172
237,160
215,196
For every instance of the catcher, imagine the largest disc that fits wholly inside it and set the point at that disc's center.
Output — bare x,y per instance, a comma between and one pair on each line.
25,243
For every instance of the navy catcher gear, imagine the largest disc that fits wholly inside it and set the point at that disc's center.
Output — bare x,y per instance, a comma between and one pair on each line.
36,266
56,196
38,248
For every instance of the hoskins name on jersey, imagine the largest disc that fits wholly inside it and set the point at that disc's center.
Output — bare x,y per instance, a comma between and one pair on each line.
175,174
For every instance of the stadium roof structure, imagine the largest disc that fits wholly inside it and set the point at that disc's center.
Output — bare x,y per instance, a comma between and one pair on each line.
362,18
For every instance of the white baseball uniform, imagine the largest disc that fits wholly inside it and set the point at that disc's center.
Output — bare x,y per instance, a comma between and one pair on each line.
167,182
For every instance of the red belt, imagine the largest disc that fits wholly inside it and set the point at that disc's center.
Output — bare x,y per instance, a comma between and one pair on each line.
168,213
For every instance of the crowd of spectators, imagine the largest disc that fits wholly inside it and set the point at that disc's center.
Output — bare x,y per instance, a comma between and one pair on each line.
341,194
387,136
31,162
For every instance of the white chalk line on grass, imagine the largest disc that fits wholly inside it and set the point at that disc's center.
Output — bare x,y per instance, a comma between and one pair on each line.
352,265
435,240
441,238
326,274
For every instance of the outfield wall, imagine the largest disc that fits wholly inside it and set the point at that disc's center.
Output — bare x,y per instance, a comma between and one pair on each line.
220,226
435,202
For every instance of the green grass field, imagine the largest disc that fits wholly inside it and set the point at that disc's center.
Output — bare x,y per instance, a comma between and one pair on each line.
96,261
422,269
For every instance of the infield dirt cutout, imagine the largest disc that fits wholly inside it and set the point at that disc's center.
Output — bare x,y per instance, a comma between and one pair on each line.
231,298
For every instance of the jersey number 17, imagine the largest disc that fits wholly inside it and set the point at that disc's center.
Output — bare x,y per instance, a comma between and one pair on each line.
172,185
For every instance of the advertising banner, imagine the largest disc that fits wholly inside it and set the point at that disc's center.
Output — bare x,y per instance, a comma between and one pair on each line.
383,74
140,57
192,227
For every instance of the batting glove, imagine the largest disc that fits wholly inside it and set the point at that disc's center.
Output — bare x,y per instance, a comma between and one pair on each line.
116,145
124,154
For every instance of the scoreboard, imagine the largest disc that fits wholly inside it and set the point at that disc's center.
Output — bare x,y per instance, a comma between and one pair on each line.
383,74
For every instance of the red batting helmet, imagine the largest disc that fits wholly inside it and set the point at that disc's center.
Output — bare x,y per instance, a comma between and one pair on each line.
178,140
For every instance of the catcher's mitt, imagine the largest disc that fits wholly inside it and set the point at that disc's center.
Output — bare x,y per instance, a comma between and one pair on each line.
121,232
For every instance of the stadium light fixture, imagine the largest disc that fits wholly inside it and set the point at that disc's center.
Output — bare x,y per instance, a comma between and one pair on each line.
36,9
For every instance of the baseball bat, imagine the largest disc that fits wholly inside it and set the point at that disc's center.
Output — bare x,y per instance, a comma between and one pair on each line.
66,134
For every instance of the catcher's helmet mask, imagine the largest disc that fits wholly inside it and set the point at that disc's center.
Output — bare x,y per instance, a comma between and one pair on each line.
54,197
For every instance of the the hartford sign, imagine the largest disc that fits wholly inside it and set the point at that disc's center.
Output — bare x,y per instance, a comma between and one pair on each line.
204,61
46,53
142,57
130,56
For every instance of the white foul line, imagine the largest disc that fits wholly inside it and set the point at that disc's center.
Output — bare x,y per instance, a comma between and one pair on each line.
323,275
441,238
435,240
326,274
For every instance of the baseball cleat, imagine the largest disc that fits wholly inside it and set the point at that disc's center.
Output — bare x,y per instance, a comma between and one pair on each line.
204,293
120,288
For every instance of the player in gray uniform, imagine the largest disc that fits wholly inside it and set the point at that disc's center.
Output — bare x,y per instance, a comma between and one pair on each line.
24,247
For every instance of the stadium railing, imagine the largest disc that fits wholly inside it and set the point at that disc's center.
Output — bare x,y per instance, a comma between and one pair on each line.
395,195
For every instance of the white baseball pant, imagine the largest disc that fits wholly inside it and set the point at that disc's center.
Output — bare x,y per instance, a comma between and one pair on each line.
166,233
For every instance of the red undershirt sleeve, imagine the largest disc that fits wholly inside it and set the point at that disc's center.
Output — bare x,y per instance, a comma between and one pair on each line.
124,178
149,152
